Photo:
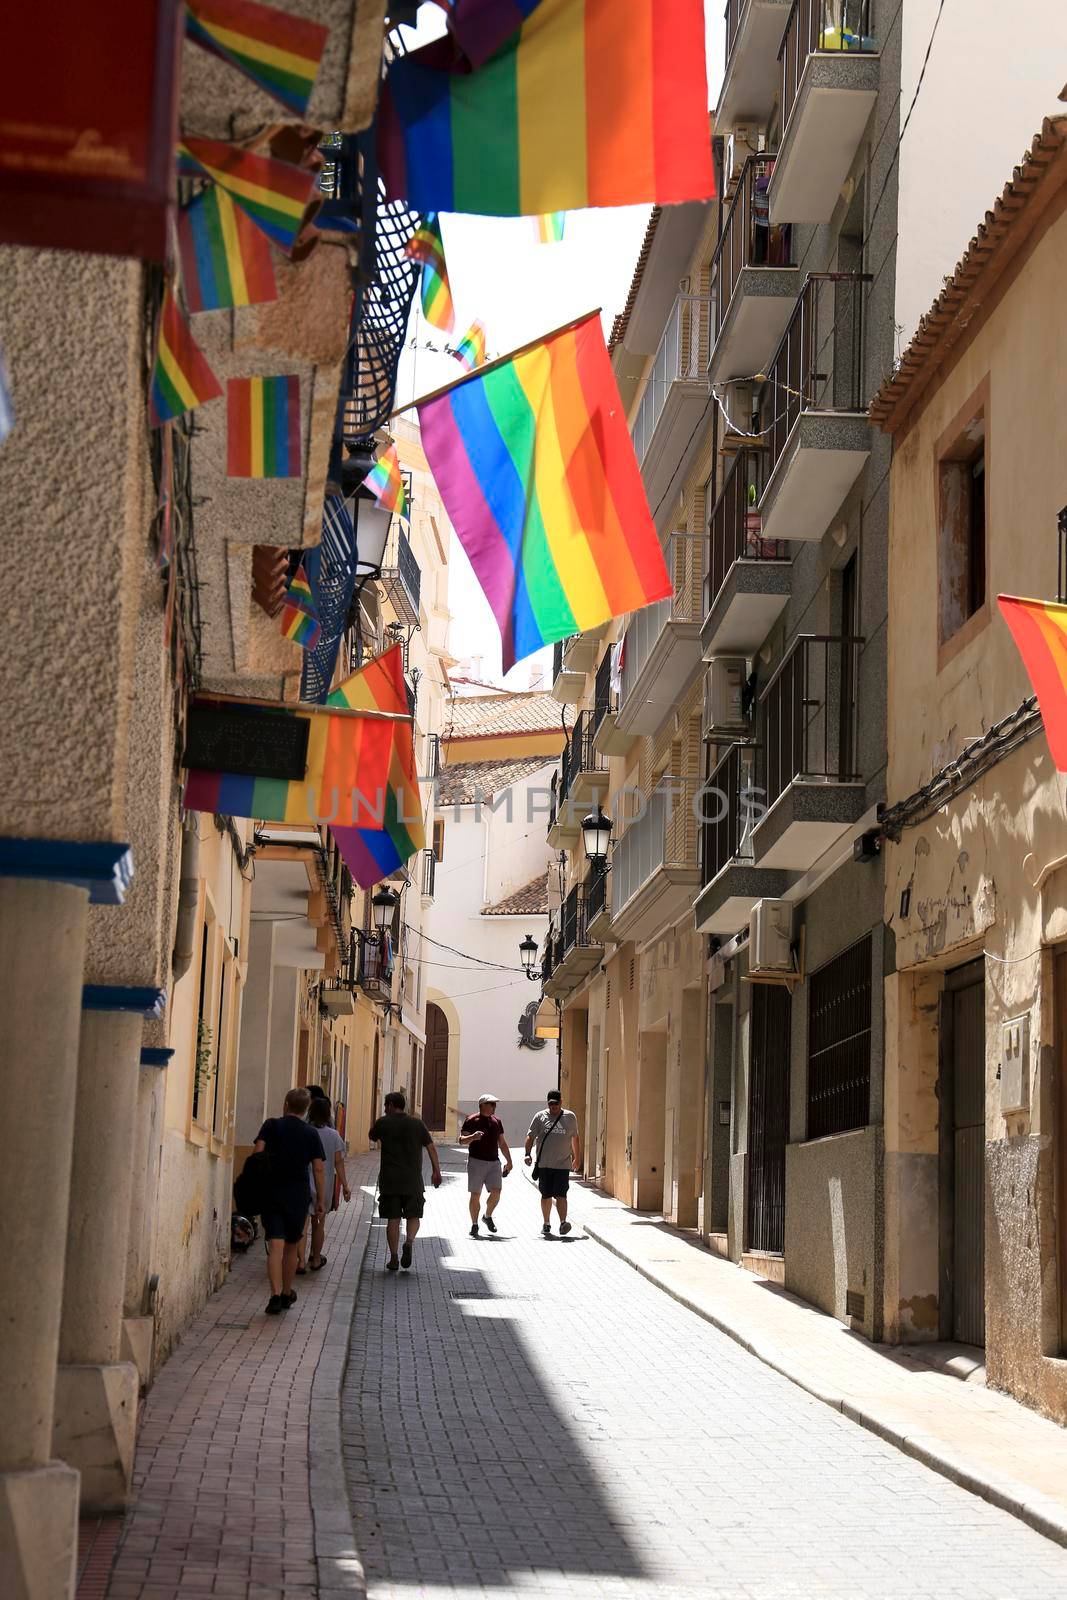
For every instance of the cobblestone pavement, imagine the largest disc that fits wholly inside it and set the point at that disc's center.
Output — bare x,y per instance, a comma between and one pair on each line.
531,1416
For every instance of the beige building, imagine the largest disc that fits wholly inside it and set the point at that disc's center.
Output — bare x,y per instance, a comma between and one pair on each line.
976,885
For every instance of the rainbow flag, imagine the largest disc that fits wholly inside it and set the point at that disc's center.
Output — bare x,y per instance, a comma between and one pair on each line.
274,194
225,259
263,428
550,226
470,351
181,377
590,103
373,853
536,468
1039,628
386,483
428,247
279,52
300,616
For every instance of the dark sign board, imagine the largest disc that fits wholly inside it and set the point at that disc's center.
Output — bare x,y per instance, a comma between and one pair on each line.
88,122
247,741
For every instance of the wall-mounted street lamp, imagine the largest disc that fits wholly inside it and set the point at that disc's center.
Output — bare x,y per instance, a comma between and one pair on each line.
383,903
596,835
528,952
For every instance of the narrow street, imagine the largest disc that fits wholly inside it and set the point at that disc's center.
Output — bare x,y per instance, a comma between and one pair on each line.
508,1428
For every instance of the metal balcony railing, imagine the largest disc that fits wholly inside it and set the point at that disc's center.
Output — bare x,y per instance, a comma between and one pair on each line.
603,698
429,873
401,575
735,526
819,25
433,755
596,892
729,806
808,714
686,558
376,963
553,799
818,365
644,847
579,755
573,923
734,12
557,659
678,360
747,238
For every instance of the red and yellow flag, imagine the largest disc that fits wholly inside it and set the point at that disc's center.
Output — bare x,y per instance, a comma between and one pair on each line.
1039,628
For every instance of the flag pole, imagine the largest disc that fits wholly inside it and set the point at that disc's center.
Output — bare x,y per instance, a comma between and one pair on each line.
498,361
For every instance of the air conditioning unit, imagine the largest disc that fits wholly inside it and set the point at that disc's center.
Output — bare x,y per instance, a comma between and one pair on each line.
744,141
724,686
770,937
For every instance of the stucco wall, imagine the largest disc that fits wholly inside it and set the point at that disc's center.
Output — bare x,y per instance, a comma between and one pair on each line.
833,1223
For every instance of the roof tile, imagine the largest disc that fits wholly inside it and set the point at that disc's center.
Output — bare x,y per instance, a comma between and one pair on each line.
462,782
483,715
530,900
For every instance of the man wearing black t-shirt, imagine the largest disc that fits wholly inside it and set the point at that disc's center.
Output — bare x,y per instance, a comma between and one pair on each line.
402,1139
291,1145
483,1136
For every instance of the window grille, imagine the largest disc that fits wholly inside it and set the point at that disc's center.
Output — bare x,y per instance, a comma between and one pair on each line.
839,1043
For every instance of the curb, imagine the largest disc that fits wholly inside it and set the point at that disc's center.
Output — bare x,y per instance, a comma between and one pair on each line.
340,1570
1039,1511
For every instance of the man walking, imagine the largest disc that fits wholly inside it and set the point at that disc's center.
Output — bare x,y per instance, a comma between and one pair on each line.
291,1147
559,1151
483,1136
401,1193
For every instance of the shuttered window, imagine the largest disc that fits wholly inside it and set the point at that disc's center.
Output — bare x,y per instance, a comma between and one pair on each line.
839,1043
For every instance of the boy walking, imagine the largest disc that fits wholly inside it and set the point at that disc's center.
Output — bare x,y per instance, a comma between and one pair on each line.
292,1147
559,1151
483,1136
401,1194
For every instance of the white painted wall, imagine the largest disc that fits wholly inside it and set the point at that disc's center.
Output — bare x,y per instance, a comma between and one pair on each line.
995,72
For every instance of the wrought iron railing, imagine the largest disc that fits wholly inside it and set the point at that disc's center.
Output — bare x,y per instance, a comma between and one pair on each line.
401,573
579,754
808,714
729,806
735,527
375,963
678,360
573,923
686,559
747,238
818,365
596,892
602,695
814,25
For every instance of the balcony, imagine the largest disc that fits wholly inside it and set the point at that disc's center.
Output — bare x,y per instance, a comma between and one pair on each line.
829,69
654,866
376,966
731,881
754,31
808,716
337,996
747,586
429,875
583,773
661,647
813,409
564,825
401,576
572,661
675,396
598,904
753,279
574,952
607,739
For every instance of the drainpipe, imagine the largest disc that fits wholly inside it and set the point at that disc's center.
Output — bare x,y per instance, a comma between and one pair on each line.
188,895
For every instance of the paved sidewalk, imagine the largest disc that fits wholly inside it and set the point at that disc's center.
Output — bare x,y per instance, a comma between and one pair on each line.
222,1504
983,1440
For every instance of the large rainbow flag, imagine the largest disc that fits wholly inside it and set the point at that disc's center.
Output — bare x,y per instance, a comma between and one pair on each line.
372,853
279,52
263,427
536,468
181,377
590,103
225,258
275,194
1039,628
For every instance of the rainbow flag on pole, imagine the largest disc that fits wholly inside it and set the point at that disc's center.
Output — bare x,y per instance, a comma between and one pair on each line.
1039,628
263,428
181,377
386,483
470,351
428,247
225,259
590,103
536,468
279,52
373,853
274,194
550,226
300,616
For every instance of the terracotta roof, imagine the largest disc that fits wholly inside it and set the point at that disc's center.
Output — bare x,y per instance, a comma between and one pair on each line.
484,715
462,783
1004,232
622,321
530,900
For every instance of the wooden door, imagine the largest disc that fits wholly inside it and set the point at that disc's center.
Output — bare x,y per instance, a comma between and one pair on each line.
435,1069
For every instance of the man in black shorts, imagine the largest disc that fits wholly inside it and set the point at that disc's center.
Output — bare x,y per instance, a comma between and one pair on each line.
291,1144
402,1140
559,1153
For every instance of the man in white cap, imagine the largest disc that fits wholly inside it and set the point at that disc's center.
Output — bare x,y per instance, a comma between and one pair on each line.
483,1136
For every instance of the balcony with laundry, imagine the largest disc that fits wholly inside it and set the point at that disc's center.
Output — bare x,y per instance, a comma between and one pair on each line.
747,584
661,645
754,280
828,83
754,31
731,883
674,398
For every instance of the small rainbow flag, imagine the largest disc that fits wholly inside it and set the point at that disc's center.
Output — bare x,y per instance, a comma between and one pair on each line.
470,351
263,428
428,247
273,193
225,259
1039,628
300,616
373,853
386,483
279,52
589,103
181,377
536,468
550,226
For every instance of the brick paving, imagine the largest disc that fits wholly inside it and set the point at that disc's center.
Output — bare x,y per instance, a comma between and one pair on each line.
531,1416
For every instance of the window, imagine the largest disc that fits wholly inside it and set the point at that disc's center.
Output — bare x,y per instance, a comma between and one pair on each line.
961,526
839,1043
439,838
